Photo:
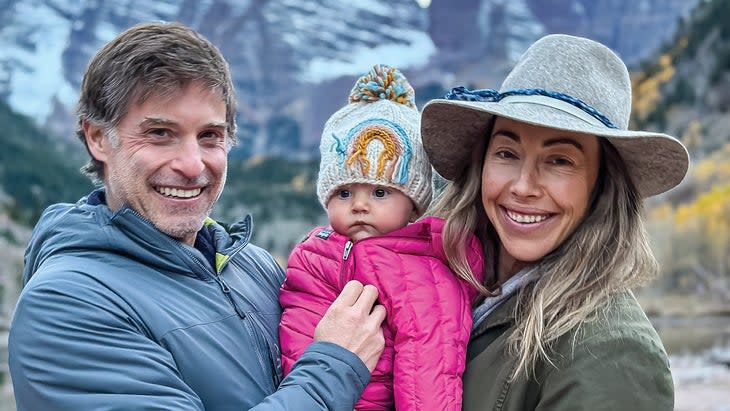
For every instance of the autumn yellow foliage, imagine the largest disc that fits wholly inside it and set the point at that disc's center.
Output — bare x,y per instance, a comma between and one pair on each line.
696,234
648,90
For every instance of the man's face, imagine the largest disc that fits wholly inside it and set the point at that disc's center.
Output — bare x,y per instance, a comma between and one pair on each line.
169,163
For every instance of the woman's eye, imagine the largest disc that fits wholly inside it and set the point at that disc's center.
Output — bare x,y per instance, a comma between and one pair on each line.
380,192
561,161
505,154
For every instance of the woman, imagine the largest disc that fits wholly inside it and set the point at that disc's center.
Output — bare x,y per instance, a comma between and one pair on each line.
547,175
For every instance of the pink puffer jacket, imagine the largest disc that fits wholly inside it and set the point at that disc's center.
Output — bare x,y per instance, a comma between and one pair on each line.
429,310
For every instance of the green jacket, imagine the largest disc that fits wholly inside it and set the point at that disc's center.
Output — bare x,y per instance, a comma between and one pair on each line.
618,363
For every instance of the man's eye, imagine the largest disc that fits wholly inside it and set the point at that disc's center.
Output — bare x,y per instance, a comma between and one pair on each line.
161,132
212,135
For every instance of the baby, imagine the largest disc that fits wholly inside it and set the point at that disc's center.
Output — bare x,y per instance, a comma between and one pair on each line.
375,181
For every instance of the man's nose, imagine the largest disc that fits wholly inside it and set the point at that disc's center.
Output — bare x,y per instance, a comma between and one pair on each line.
188,159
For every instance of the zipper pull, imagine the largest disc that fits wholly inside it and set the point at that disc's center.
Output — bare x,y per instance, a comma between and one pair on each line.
224,285
346,253
227,291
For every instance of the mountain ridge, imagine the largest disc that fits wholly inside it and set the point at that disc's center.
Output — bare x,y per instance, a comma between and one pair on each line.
285,55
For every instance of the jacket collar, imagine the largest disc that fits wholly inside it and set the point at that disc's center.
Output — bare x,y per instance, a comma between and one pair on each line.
228,240
225,240
502,315
225,237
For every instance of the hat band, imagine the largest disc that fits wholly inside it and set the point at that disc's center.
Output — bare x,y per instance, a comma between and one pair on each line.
556,104
560,101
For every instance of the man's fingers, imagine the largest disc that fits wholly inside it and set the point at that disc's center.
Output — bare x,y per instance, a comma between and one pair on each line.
350,293
378,314
366,299
353,321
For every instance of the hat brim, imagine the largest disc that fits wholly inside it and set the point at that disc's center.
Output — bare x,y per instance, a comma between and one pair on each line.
450,129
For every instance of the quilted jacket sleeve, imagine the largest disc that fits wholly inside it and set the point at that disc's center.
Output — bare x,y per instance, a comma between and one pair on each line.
429,313
69,349
326,377
306,294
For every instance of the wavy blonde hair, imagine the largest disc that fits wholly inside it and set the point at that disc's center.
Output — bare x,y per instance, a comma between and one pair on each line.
608,252
460,204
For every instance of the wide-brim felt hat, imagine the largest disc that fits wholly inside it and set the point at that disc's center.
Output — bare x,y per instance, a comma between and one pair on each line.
561,82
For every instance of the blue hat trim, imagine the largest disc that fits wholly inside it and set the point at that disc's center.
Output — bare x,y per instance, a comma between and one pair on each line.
492,96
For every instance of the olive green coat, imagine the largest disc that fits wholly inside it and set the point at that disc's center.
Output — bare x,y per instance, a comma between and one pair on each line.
618,363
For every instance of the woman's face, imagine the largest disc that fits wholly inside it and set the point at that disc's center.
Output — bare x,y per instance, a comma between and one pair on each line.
536,185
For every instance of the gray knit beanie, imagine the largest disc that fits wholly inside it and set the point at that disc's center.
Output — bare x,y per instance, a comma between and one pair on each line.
376,139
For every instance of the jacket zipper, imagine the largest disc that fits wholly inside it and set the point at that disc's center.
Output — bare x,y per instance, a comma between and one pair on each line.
218,279
344,269
227,292
348,248
224,285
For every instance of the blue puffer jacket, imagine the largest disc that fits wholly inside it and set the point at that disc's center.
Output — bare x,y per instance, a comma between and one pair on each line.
116,315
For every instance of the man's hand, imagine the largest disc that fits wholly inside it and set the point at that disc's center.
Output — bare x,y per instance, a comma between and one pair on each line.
354,323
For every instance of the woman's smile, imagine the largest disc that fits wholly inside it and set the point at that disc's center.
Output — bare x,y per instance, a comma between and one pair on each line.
536,185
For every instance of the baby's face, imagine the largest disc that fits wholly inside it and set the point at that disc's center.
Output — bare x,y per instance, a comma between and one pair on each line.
365,210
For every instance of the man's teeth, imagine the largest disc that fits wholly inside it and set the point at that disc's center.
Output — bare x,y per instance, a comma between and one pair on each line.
177,192
525,218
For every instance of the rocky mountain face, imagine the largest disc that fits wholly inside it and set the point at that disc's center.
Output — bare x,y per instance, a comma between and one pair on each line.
480,42
294,61
684,89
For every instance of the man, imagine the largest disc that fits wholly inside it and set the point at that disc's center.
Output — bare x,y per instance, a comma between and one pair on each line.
133,297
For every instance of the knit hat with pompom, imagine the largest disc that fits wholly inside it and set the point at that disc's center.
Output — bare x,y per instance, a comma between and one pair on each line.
376,139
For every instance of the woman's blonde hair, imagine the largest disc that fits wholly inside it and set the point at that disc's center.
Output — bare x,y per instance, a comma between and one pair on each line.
608,252
460,204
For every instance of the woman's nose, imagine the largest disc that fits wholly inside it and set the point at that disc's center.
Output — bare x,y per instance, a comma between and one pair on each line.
526,182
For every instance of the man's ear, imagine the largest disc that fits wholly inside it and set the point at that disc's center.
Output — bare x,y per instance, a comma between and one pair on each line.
96,141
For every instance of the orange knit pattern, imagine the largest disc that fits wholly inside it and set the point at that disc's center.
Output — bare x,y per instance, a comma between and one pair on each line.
391,150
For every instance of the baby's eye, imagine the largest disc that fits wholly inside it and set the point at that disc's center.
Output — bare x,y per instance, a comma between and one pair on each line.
380,192
343,193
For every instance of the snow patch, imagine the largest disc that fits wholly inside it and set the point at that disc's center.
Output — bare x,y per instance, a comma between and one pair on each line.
33,89
415,54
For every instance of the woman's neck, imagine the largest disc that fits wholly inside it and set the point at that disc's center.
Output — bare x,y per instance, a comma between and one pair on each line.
507,266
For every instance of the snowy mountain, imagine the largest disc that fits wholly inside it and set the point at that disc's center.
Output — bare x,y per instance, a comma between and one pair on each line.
287,54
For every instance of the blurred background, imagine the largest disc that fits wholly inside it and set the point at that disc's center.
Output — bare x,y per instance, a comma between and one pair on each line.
294,62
